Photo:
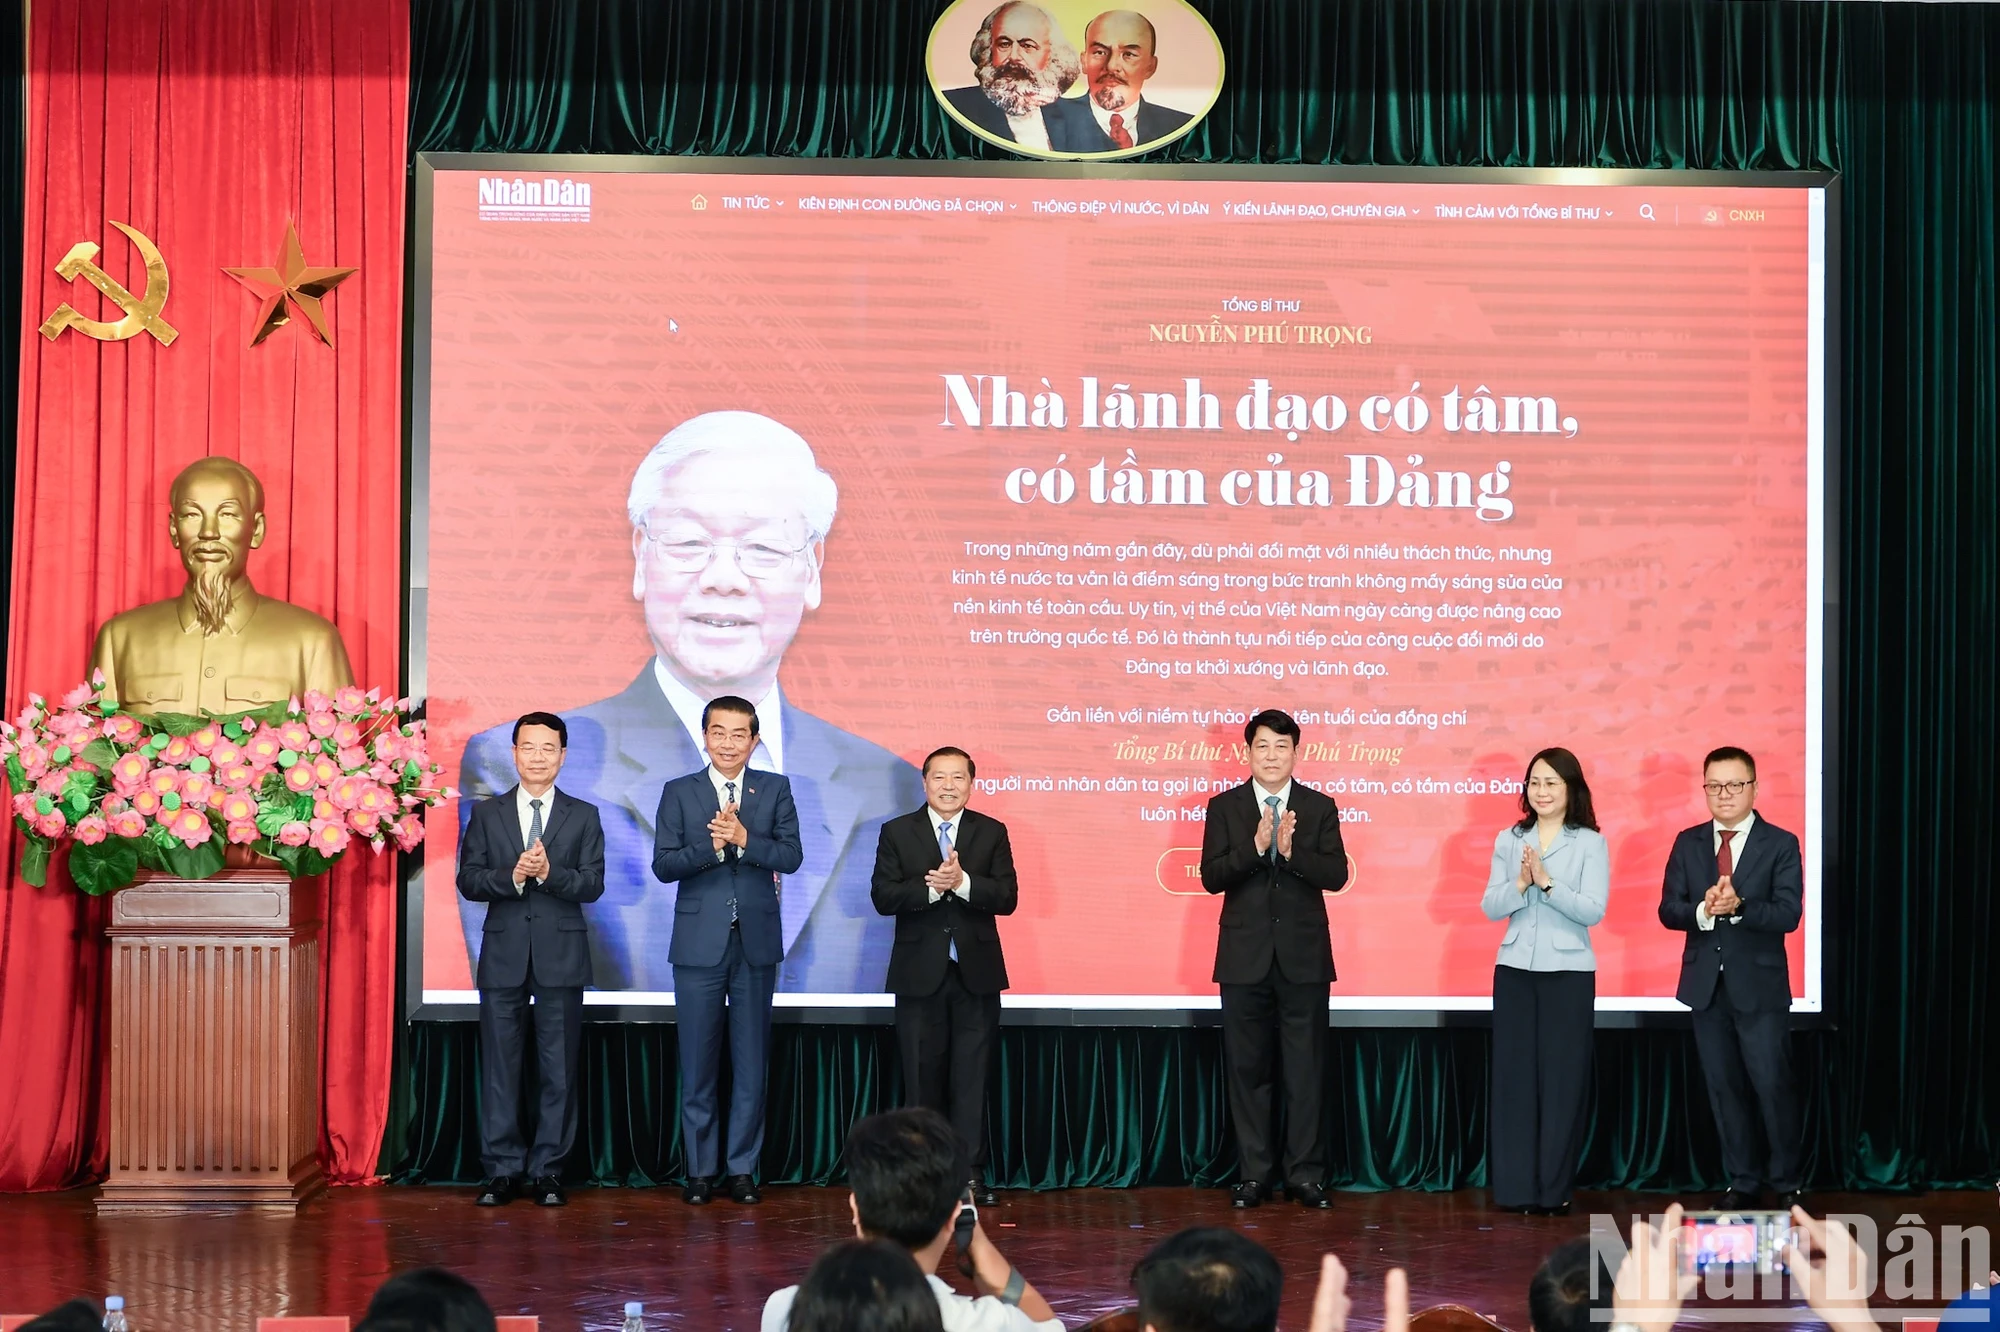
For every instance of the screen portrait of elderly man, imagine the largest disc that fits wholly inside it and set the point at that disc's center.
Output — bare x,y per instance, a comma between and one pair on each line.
1024,65
1119,55
730,513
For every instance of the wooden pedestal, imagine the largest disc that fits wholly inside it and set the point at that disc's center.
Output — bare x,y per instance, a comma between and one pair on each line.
214,1044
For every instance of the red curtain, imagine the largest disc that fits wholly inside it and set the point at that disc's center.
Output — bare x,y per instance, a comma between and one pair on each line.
207,127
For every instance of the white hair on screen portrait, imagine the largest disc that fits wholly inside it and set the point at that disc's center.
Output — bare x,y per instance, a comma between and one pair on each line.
1013,85
774,448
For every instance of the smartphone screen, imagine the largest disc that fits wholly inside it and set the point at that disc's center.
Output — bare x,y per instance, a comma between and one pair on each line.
1733,1239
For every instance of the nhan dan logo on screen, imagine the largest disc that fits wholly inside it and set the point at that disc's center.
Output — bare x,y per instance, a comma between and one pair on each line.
549,199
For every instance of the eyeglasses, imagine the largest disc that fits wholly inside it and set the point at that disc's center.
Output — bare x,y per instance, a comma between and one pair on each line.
1545,784
1728,788
692,554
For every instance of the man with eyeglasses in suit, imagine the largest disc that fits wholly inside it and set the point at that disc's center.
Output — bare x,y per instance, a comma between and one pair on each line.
1735,885
730,513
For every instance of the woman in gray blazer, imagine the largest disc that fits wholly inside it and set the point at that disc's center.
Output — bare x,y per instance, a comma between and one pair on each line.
1550,881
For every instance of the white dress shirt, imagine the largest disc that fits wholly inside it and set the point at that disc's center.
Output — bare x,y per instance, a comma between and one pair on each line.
964,889
1284,794
527,812
1030,131
962,1313
769,753
1716,828
1128,116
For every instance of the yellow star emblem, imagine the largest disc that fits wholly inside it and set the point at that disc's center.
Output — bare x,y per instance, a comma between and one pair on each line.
291,283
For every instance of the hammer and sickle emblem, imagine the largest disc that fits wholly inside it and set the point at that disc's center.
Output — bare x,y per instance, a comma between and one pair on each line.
142,312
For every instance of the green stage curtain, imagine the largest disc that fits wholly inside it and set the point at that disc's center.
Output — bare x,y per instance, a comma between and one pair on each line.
1104,1107
1898,98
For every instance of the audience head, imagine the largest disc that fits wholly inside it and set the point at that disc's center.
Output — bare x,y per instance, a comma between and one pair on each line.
865,1285
1559,1296
907,1170
76,1316
1208,1280
428,1299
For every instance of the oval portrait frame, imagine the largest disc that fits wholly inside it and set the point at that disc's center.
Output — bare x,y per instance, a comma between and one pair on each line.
1187,80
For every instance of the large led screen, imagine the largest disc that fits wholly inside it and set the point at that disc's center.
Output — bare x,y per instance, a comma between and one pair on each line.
1076,470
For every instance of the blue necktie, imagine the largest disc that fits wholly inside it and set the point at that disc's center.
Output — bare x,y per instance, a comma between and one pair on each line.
944,853
729,851
534,833
1272,801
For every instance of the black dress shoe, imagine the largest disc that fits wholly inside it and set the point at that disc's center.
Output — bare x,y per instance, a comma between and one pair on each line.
498,1191
548,1192
743,1189
1791,1198
697,1191
1247,1194
1560,1209
1309,1195
1735,1200
982,1193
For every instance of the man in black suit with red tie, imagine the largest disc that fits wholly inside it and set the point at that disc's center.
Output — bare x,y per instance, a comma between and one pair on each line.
1272,847
534,855
946,873
1736,886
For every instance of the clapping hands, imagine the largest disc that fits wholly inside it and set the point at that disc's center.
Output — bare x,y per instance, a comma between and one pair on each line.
725,829
1721,900
1331,1305
946,877
532,863
1276,830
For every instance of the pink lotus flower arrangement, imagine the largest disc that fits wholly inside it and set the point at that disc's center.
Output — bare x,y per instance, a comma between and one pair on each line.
297,782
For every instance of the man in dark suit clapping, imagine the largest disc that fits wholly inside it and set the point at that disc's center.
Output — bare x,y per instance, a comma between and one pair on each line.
1735,884
1271,847
534,855
725,834
945,873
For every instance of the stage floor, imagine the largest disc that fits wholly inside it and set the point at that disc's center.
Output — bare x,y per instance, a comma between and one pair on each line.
711,1268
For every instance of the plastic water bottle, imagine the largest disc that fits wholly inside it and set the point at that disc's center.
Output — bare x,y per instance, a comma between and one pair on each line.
114,1314
635,1318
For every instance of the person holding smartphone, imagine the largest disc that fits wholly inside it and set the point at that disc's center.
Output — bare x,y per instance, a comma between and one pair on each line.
907,1170
1550,881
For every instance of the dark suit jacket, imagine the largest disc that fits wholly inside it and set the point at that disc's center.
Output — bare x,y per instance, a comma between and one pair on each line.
623,749
544,923
1769,878
1068,123
926,930
1272,910
1155,122
683,851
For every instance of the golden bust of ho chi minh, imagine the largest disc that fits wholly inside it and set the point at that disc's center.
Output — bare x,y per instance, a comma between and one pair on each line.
219,647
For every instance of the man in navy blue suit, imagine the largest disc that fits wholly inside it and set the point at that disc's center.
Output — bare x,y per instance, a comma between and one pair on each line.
730,513
1735,885
726,834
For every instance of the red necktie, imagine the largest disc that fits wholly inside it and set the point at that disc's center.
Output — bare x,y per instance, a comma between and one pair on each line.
1725,863
1120,136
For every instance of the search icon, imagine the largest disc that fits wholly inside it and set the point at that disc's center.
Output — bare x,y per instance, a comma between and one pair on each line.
1646,211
